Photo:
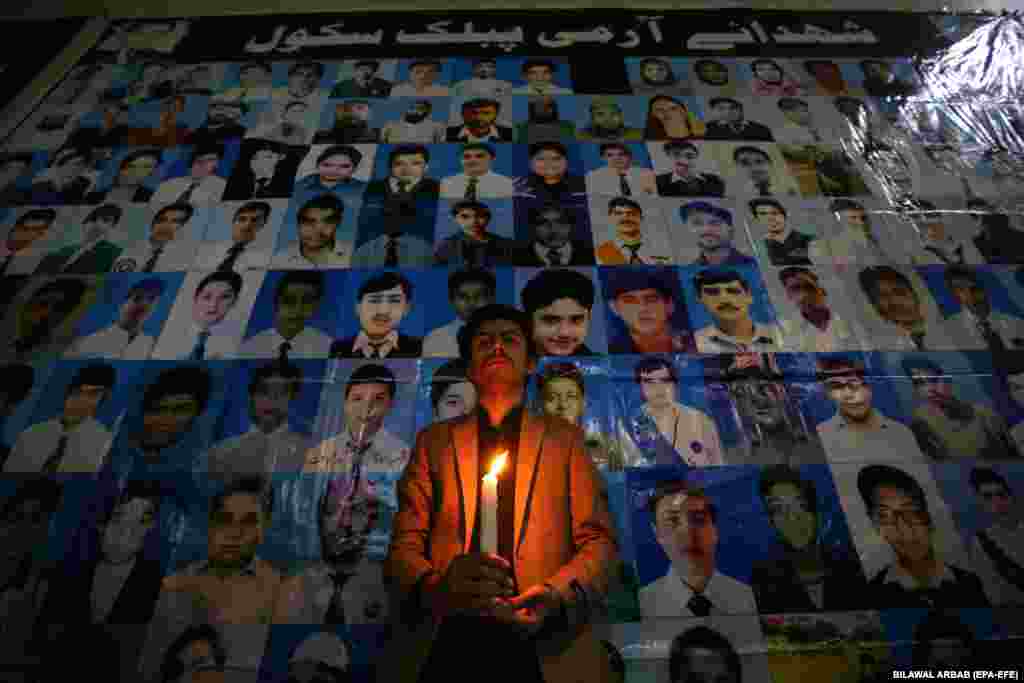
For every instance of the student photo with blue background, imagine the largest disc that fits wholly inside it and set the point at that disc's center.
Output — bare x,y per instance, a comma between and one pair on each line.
127,318
295,315
241,235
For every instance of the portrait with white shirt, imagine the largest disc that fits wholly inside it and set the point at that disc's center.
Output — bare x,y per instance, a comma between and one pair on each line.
801,120
494,173
814,310
465,290
722,302
132,174
940,232
266,426
318,231
209,316
423,77
719,648
128,317
75,419
693,550
300,79
166,238
541,76
196,174
981,304
898,310
620,168
631,230
874,552
241,235
708,232
297,308
755,169
366,417
484,77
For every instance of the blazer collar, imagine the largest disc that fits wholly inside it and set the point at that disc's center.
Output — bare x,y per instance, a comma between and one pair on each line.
467,466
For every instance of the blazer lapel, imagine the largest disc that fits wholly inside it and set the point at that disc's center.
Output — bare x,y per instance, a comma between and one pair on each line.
466,469
530,438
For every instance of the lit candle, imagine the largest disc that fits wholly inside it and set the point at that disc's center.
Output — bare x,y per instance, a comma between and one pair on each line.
489,505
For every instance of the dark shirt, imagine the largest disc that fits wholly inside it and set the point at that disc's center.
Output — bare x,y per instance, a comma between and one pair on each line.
999,243
462,641
212,136
964,590
736,258
375,87
699,185
747,130
347,136
777,586
564,190
791,251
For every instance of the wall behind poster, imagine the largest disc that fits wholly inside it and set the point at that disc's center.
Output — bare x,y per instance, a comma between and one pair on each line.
733,202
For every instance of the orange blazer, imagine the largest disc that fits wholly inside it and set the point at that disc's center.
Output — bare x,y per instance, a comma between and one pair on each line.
563,532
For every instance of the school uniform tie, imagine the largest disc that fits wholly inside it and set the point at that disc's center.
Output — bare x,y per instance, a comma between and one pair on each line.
52,463
232,256
199,350
624,186
186,196
471,189
699,605
153,258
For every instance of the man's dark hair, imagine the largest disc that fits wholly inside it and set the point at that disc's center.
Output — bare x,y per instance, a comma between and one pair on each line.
839,366
624,202
250,485
703,638
773,475
384,282
184,379
844,204
790,272
373,63
791,103
714,101
872,275
47,215
678,145
291,105
140,154
954,273
480,102
233,279
938,626
45,491
16,158
324,201
718,276
206,148
872,477
262,66
923,366
313,278
747,149
622,280
473,205
263,144
480,145
649,364
66,154
605,146
172,668
289,372
461,277
536,148
452,372
436,63
104,211
755,204
184,208
18,380
308,64
562,370
530,63
408,150
535,214
261,206
770,62
718,212
488,313
987,475
810,64
373,373
550,285
94,374
705,62
72,289
353,154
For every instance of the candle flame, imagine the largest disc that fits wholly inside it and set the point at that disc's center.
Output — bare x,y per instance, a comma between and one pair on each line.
498,464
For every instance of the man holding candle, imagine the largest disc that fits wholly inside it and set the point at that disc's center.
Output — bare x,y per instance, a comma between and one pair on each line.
455,596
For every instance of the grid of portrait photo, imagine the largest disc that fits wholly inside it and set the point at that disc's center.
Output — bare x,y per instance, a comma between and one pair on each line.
782,298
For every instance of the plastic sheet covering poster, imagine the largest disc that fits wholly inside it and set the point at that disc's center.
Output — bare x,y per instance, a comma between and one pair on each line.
774,268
